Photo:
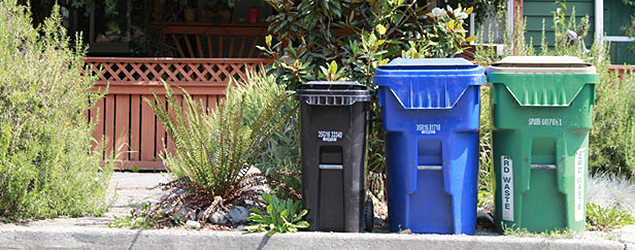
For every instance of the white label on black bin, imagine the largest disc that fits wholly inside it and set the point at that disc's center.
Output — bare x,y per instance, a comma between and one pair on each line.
330,136
507,176
428,128
580,165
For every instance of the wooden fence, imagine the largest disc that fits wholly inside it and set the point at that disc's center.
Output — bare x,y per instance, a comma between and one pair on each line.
128,124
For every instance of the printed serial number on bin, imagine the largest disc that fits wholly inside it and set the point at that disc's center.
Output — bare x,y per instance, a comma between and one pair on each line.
545,122
330,136
428,128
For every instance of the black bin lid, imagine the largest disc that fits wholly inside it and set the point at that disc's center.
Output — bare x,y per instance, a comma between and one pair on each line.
333,93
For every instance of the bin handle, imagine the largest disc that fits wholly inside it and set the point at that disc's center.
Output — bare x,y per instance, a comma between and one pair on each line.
429,167
543,166
331,166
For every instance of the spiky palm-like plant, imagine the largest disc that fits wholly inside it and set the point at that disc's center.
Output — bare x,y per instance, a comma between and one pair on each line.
215,150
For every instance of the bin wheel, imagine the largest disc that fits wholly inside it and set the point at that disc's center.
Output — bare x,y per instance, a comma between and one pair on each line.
369,216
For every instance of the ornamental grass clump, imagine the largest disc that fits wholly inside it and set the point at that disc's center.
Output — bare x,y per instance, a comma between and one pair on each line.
47,165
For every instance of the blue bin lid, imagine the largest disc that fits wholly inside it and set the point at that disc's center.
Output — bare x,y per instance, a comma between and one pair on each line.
429,64
428,83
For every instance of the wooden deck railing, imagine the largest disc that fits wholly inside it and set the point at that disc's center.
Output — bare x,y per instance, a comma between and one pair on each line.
127,123
214,41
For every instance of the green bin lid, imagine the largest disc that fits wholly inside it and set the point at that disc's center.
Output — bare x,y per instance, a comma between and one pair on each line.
542,64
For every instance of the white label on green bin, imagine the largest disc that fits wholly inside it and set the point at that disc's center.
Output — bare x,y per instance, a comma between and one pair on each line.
537,121
428,128
580,165
330,136
507,177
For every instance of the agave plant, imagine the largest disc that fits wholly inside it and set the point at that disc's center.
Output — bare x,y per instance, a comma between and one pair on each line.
216,149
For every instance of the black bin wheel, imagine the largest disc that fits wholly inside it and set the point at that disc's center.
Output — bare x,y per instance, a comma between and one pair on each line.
369,216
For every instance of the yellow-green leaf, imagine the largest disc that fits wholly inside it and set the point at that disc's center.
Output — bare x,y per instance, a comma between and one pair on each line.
450,24
469,10
380,29
268,40
470,39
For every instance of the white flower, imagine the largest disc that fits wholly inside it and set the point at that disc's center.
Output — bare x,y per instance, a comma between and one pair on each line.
437,11
460,15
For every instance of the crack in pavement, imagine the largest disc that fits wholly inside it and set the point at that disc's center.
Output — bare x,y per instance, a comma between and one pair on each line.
136,237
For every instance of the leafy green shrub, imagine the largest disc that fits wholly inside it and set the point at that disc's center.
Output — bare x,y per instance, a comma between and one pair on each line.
47,165
347,40
613,133
279,158
606,218
282,216
216,150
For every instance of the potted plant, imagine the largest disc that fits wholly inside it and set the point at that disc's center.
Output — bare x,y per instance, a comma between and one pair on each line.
253,11
189,11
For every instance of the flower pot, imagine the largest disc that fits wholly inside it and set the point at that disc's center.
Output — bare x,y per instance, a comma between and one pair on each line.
253,14
190,15
158,10
225,15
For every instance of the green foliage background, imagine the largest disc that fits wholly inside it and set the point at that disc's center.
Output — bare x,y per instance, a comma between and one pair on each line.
47,165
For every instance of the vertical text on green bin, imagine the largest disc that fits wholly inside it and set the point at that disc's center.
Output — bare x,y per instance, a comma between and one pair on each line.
578,196
507,177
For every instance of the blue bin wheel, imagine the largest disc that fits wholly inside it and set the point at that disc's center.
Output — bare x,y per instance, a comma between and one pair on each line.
369,216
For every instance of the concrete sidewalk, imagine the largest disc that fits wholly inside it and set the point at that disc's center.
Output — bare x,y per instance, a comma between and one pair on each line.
133,188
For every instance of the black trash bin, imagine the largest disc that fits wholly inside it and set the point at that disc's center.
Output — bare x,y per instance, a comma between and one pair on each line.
334,117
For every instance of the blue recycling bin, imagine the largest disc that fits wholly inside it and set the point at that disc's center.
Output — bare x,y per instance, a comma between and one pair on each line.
430,110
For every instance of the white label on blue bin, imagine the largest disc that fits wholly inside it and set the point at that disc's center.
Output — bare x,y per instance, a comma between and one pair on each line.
507,176
536,121
580,165
330,136
428,128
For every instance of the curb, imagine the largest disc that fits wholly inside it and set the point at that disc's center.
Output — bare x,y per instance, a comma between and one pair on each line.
22,237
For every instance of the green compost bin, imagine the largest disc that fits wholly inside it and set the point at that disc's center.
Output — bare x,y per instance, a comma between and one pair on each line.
542,114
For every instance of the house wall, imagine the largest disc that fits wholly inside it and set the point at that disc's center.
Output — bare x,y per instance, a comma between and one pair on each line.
617,16
535,11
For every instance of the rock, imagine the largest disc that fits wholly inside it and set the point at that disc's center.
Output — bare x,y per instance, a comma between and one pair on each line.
184,214
179,191
485,220
253,170
218,218
193,224
199,216
238,214
260,189
150,205
241,228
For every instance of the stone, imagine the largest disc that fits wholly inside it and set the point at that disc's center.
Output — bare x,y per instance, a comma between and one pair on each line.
200,214
253,170
218,218
238,214
184,214
150,205
193,224
484,220
260,189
